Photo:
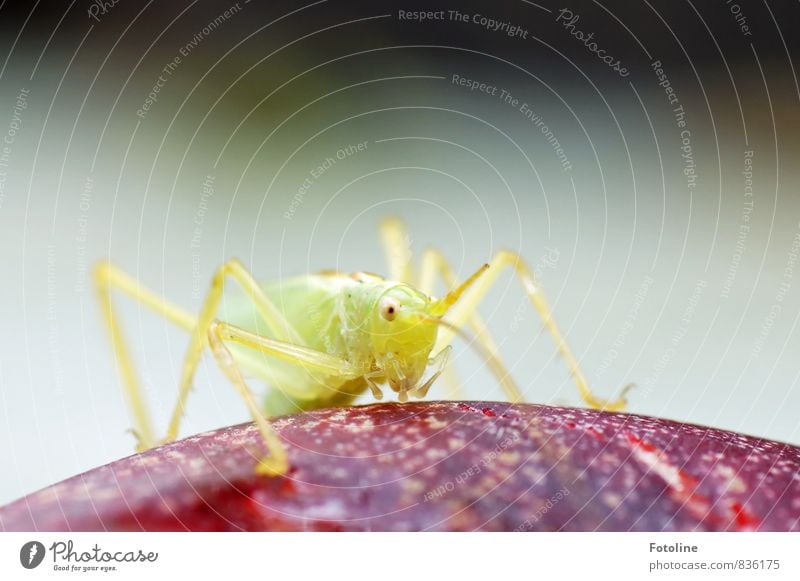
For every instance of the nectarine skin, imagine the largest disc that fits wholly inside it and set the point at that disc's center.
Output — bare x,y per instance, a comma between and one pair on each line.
455,466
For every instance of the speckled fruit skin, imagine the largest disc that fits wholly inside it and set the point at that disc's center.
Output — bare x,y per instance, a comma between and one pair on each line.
456,466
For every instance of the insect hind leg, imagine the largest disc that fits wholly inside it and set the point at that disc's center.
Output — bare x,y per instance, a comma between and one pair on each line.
220,334
465,308
434,263
108,277
277,462
397,246
268,312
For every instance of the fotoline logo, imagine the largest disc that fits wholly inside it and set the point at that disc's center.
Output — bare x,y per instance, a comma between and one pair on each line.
31,554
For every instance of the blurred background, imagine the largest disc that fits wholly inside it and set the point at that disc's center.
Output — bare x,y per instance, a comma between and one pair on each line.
642,157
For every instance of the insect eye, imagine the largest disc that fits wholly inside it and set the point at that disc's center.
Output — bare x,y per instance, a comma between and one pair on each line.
389,308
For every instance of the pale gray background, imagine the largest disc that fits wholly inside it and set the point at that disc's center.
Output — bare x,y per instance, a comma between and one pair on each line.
468,173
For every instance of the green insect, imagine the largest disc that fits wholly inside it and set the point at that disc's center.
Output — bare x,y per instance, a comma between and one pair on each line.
323,339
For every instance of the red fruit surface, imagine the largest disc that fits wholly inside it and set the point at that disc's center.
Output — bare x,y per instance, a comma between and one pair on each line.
438,466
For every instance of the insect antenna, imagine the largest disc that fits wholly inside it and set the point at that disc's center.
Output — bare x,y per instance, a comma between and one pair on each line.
441,306
558,471
490,358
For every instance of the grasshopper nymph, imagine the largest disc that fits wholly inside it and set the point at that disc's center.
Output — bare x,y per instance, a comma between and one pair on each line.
323,339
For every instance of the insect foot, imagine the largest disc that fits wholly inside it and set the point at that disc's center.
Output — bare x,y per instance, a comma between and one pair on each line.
272,466
456,465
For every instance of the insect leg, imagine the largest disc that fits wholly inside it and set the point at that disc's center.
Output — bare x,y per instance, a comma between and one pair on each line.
220,333
107,277
433,263
397,246
465,308
274,319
